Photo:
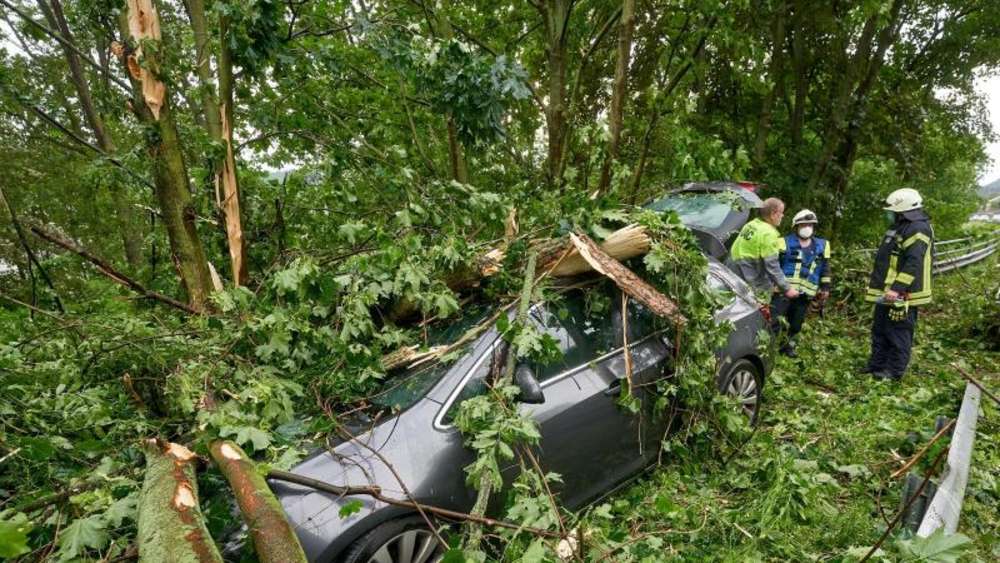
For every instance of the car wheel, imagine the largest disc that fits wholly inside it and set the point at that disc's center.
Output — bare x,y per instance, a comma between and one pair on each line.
404,540
745,383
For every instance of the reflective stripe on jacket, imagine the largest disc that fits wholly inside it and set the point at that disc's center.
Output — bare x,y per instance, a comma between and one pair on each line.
903,261
807,269
754,256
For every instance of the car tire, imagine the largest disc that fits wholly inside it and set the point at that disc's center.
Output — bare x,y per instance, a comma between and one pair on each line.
403,540
744,381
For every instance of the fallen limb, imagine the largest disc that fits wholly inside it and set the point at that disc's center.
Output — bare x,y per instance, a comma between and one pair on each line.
629,283
376,494
274,540
108,270
977,383
916,457
899,515
171,525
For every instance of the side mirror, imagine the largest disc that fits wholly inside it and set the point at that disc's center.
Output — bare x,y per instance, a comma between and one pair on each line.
530,388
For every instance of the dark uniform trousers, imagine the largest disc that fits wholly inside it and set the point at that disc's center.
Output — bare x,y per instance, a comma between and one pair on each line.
792,310
892,340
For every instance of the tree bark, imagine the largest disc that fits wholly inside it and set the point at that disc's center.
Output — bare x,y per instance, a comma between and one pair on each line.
555,14
171,525
619,91
151,104
274,539
775,72
125,214
203,67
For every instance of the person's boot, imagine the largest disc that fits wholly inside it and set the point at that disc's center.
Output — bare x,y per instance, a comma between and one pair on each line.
885,376
789,350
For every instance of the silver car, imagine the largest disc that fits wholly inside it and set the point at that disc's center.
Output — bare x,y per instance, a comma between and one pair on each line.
587,438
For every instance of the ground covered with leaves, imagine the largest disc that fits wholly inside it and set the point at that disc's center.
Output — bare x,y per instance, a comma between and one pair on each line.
814,482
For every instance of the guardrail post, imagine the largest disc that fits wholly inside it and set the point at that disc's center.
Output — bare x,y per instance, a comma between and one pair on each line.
946,506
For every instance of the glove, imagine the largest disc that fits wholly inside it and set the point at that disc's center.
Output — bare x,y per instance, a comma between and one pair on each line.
897,314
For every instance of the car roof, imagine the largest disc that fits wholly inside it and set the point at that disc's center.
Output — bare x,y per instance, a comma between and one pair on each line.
746,194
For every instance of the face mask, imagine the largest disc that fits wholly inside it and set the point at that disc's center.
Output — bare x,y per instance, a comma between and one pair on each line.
806,232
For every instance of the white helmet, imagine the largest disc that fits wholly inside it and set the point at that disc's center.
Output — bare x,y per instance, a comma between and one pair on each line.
904,199
804,217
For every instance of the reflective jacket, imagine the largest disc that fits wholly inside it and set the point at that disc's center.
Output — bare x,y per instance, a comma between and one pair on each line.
754,256
903,261
807,269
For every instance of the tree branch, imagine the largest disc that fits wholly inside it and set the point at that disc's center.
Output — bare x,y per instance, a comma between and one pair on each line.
108,270
64,42
376,493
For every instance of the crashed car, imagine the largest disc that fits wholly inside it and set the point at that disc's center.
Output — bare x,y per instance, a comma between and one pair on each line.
586,436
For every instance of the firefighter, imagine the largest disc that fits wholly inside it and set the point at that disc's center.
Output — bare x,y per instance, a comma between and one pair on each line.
754,255
900,283
806,265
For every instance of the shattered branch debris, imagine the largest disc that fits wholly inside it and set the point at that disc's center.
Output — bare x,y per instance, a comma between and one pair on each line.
629,283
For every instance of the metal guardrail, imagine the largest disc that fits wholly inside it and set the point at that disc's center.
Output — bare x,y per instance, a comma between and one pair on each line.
952,257
946,506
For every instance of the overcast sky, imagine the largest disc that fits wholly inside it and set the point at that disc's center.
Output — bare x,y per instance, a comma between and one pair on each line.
990,86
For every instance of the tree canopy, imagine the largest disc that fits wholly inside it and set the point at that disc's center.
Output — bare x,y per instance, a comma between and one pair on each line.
298,176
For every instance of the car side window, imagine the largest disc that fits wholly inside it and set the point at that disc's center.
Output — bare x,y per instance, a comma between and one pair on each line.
479,382
579,322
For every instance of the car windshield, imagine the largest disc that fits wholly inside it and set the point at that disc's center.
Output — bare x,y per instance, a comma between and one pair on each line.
702,209
404,388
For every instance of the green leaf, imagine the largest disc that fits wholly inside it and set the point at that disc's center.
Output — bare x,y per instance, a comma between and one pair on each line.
122,509
350,507
14,536
935,548
82,534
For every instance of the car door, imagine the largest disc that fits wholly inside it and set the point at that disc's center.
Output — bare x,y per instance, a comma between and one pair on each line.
591,441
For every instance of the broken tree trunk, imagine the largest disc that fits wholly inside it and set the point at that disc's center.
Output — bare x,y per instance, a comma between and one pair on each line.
151,104
274,540
171,525
623,244
629,283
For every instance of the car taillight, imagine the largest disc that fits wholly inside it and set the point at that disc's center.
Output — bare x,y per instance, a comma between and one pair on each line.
750,186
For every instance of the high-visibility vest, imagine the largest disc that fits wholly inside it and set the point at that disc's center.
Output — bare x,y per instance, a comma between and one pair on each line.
805,268
903,262
757,242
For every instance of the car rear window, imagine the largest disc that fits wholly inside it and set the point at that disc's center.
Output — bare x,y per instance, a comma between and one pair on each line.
707,210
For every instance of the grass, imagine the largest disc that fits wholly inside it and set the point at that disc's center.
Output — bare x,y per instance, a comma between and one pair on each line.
813,483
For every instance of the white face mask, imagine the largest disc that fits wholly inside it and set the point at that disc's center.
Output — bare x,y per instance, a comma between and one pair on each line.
806,232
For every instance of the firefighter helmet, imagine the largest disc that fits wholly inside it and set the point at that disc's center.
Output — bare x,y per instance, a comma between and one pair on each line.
903,200
804,217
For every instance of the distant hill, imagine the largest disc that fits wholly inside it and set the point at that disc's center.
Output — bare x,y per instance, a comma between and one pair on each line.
991,190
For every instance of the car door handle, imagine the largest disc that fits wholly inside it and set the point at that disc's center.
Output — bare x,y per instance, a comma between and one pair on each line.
614,389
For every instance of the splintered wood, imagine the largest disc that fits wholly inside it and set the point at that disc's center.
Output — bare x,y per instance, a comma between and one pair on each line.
627,242
144,25
630,283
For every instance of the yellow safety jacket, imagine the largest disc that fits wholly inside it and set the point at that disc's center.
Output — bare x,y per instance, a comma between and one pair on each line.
903,261
754,256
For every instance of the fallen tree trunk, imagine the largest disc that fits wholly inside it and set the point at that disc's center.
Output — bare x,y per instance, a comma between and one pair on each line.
623,244
629,283
171,525
274,539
